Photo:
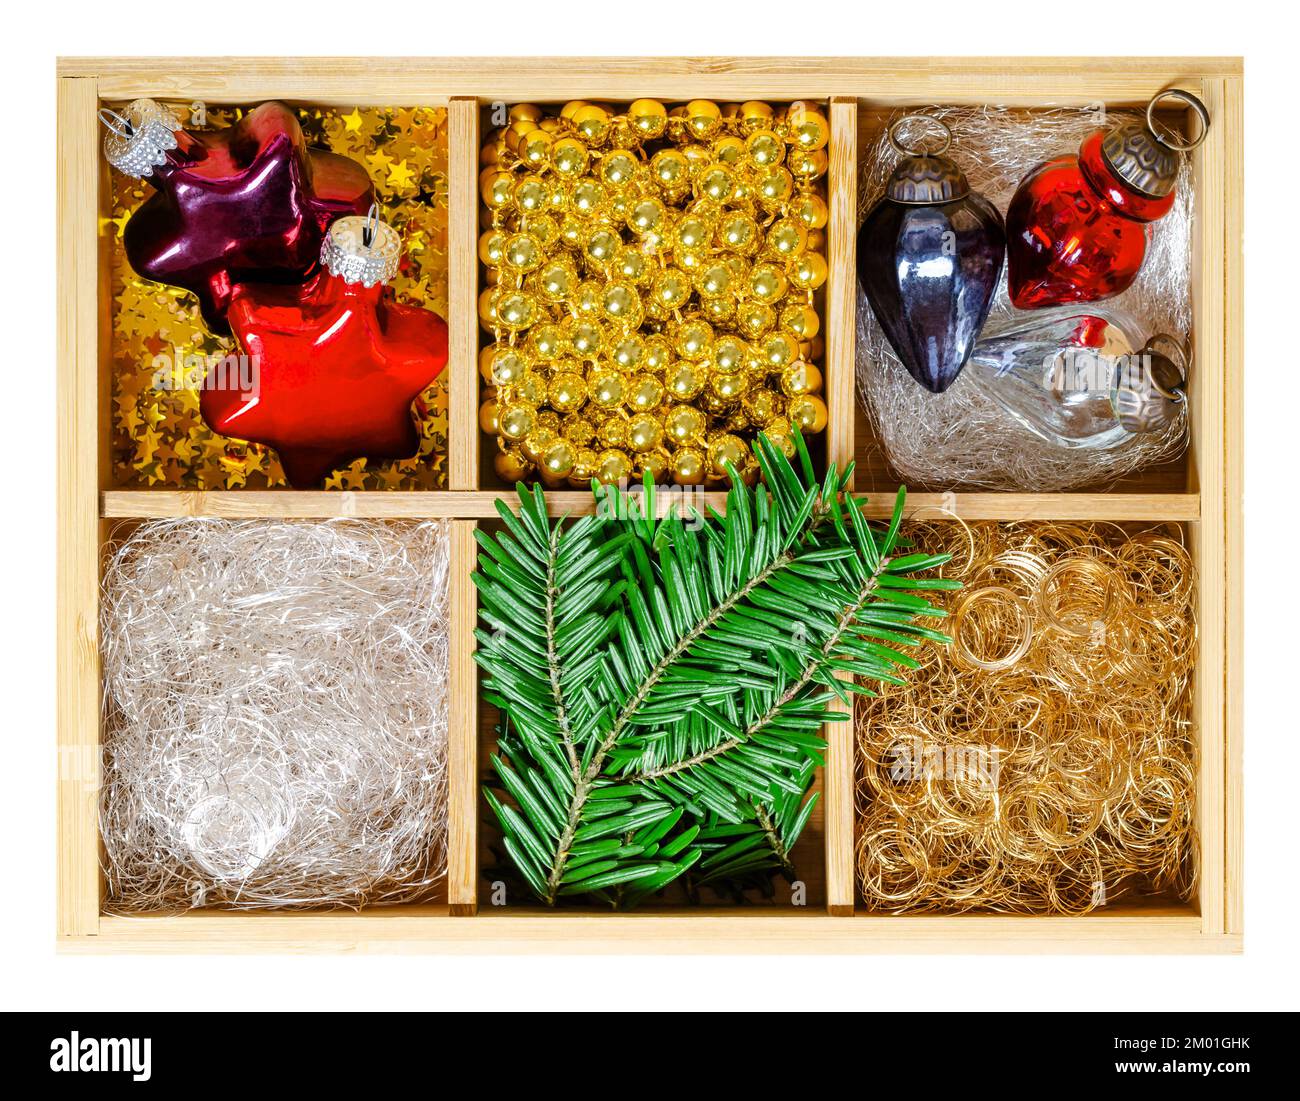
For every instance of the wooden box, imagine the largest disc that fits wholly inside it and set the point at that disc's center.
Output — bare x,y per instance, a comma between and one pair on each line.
1203,494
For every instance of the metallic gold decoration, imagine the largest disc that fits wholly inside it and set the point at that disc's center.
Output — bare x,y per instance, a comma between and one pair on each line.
1044,763
160,346
651,277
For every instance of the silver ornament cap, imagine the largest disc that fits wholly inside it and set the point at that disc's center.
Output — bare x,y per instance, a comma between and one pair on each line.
139,139
1148,394
362,250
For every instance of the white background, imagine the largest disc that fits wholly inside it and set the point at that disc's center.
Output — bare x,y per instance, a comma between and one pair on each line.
34,977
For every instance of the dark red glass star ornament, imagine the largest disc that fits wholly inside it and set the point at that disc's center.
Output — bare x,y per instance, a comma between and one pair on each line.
250,203
334,364
1077,225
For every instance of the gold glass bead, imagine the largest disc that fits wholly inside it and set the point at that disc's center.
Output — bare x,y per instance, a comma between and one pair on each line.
801,320
612,431
811,209
558,458
684,424
579,431
716,183
606,388
557,280
703,118
535,148
584,466
567,392
534,444
807,126
602,245
755,115
800,378
807,165
618,168
587,338
718,310
620,300
670,289
511,466
504,364
739,232
630,264
647,216
764,148
543,227
522,252
768,283
808,411
497,188
685,380
644,431
754,319
613,466
648,118
713,280
532,195
729,388
724,449
730,353
808,271
487,308
694,339
658,353
592,123
779,351
645,393
761,406
656,462
487,417
491,246
569,157
775,186
786,238
629,352
517,420
516,310
671,169
689,466
729,150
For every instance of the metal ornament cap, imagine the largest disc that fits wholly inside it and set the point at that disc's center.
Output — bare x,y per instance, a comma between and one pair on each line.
1143,158
927,180
361,250
1148,391
139,139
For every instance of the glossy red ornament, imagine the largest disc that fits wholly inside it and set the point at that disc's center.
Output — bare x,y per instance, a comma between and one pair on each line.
1077,226
335,363
250,203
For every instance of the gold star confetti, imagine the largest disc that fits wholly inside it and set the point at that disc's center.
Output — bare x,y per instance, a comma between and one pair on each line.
159,438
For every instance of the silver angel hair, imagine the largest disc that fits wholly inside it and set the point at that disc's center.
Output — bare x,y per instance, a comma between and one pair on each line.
275,714
963,437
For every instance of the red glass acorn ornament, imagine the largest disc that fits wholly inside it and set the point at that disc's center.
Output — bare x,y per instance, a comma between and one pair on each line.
250,203
929,257
336,362
1077,226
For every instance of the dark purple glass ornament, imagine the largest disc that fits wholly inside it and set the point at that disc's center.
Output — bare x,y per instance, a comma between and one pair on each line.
250,203
929,256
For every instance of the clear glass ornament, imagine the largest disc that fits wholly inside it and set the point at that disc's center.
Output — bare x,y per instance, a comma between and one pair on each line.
1086,380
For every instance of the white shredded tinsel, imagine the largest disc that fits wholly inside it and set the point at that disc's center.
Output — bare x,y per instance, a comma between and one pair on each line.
962,437
275,714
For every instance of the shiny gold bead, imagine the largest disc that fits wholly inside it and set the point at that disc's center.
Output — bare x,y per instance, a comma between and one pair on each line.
671,169
487,417
801,320
729,388
487,307
504,364
511,466
491,246
516,310
786,238
684,424
726,449
645,393
647,216
800,378
693,232
685,380
644,431
620,300
516,420
588,298
765,148
658,353
730,353
573,231
584,466
530,389
543,227
606,388
811,209
739,232
629,352
713,280
569,157
670,289
567,392
719,310
532,194
808,271
648,118
775,186
808,411
716,183
525,112
602,245
779,352
558,280
778,430
618,168
586,337
579,431
587,199
729,150
689,466
768,283
807,126
534,444
761,406
755,115
558,459
613,466
522,252
535,148
754,319
612,431
703,118
546,342
656,462
807,165
694,339
497,188
591,122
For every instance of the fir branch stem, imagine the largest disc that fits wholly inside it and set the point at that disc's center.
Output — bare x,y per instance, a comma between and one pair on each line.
552,658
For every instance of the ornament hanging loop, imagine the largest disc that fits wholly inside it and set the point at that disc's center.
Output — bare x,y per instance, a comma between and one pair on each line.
371,227
116,123
903,150
1163,135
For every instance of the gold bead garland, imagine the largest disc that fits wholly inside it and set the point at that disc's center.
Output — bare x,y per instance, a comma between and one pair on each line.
651,281
1044,762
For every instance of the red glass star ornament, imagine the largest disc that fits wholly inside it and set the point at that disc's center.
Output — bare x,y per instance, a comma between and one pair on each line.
333,365
250,203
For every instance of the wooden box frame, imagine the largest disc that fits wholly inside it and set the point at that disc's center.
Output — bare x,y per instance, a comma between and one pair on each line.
1208,505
